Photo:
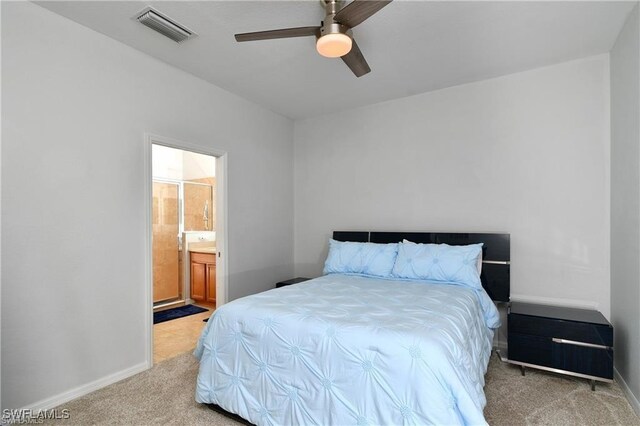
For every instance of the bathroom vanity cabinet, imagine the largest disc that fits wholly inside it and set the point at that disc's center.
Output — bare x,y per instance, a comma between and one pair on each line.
203,277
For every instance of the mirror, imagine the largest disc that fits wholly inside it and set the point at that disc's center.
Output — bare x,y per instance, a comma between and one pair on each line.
199,207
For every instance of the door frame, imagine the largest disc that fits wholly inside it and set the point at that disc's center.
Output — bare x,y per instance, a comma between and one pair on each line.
222,274
185,299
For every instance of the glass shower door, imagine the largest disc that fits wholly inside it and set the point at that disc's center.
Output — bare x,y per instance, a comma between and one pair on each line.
166,248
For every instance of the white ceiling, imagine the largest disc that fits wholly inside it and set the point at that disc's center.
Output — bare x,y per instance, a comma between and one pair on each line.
411,46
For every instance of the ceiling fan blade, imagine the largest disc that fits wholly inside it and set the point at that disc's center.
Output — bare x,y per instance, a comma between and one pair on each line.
283,33
358,11
355,60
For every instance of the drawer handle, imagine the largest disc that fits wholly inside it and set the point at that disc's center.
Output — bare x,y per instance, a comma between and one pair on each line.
496,262
574,343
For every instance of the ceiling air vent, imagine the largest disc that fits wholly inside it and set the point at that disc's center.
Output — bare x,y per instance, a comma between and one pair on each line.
165,26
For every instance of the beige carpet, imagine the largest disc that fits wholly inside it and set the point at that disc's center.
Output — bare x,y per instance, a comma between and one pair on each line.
165,395
541,398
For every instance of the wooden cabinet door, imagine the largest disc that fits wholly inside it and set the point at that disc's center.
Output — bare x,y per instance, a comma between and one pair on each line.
198,281
211,282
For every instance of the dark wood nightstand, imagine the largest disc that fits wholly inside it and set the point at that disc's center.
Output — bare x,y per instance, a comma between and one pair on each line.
292,281
577,342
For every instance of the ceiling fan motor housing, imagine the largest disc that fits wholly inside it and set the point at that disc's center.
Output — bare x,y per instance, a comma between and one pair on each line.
330,27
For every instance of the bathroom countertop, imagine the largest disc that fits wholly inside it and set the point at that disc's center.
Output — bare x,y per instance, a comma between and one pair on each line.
205,250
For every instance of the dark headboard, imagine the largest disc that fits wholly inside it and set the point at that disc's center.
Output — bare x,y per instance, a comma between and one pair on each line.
496,252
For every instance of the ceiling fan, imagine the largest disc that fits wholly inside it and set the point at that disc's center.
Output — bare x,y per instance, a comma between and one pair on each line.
334,35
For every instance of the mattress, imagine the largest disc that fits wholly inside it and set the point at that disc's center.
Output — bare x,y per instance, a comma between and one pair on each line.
350,350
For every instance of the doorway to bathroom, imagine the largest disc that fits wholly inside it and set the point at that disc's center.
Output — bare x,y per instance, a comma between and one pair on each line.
187,271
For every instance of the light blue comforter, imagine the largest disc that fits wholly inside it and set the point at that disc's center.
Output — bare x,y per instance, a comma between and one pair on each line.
342,350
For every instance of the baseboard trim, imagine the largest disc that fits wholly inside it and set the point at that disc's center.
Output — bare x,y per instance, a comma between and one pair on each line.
633,401
61,398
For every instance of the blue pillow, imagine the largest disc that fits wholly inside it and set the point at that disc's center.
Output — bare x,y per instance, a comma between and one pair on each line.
370,259
439,262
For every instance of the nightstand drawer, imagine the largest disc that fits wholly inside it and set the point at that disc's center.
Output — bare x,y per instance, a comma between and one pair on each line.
561,354
582,359
530,349
596,334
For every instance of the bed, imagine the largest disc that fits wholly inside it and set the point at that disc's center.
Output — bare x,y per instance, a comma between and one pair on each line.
351,349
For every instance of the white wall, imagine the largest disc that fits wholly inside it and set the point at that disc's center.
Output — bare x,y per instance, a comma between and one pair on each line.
166,163
177,164
197,166
0,226
625,203
76,105
526,154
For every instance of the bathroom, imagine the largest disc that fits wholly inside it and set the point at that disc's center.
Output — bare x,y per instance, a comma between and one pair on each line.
183,228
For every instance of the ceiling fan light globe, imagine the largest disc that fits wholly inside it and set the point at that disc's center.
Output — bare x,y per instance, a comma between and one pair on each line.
334,45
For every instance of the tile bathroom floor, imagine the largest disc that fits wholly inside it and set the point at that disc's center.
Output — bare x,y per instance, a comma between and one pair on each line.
175,337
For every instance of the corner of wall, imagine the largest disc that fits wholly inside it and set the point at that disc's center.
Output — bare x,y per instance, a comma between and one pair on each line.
633,401
624,195
1,405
